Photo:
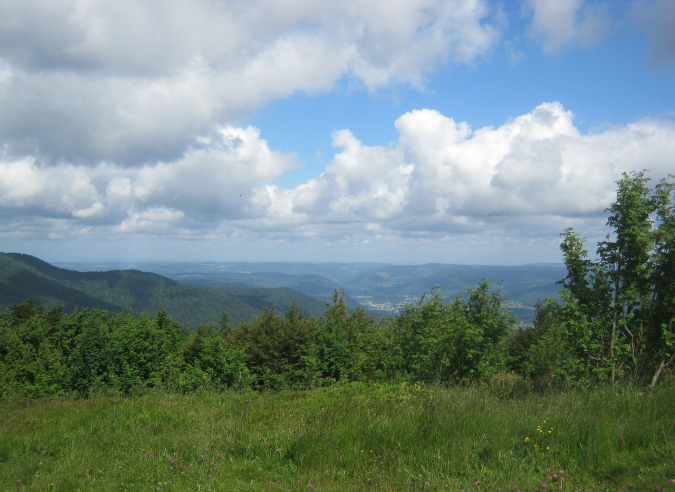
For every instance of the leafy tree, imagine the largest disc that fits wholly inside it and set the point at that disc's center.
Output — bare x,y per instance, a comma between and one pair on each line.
349,345
279,349
540,352
206,360
626,258
422,336
31,364
460,341
89,356
660,342
332,347
135,355
479,348
619,310
586,296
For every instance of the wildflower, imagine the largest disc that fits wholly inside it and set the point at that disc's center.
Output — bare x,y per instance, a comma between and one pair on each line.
478,482
527,439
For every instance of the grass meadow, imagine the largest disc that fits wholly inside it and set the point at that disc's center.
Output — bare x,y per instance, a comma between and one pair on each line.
354,437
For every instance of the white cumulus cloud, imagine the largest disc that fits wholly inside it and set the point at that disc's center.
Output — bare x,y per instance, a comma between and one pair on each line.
440,183
135,82
524,177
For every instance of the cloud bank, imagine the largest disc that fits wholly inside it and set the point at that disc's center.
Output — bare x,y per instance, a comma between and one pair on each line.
134,82
528,178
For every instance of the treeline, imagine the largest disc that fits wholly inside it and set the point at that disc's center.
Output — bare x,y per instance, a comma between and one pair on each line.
47,352
614,323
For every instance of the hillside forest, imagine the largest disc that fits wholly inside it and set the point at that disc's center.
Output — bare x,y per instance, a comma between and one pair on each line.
613,324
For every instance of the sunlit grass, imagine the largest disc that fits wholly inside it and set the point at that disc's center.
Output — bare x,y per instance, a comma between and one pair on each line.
357,437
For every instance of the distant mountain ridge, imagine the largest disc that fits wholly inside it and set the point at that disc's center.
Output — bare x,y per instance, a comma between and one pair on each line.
24,276
379,287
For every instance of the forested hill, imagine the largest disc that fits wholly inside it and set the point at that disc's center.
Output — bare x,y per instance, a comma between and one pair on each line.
23,276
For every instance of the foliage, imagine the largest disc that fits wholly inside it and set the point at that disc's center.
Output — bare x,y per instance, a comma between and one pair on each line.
350,346
543,352
618,311
48,353
279,349
460,341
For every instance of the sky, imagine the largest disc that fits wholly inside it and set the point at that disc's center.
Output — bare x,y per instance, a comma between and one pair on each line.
402,131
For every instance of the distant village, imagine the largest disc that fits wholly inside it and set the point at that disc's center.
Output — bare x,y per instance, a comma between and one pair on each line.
392,304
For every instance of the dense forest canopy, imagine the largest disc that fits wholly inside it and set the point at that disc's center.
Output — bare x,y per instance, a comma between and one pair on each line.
614,323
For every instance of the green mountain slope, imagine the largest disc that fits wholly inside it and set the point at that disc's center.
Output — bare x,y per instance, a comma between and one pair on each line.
281,297
23,276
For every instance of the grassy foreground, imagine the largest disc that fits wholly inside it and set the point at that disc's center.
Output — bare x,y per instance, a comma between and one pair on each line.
357,437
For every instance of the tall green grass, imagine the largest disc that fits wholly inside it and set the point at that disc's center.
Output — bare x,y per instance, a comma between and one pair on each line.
355,437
